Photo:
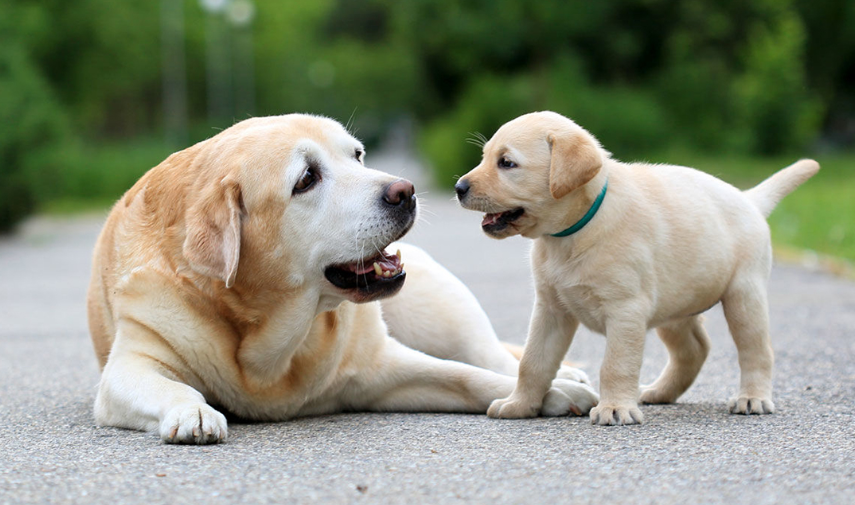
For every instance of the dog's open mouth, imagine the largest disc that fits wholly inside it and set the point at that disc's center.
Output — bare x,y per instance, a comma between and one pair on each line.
500,220
373,277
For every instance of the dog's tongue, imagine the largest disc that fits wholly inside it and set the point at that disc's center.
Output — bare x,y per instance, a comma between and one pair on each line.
490,219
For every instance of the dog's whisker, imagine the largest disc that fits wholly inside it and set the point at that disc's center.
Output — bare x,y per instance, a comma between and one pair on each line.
476,139
428,211
349,124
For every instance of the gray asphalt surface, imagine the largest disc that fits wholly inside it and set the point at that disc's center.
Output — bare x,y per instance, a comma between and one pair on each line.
690,452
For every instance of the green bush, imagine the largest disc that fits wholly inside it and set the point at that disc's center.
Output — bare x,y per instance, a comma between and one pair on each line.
628,122
30,123
486,105
774,103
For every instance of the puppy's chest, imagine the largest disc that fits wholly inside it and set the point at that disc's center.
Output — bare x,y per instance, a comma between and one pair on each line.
585,304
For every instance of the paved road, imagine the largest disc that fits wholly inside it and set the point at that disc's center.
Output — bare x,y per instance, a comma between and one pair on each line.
50,450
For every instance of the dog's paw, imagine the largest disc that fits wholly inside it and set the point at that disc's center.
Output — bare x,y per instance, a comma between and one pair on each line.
746,405
573,374
616,415
513,408
567,397
193,424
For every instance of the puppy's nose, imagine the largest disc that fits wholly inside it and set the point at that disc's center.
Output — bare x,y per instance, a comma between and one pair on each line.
462,187
400,194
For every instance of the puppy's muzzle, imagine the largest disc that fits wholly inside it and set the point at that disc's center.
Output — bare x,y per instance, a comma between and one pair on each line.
462,189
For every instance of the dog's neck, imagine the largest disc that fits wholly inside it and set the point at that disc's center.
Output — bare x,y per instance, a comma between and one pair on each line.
583,205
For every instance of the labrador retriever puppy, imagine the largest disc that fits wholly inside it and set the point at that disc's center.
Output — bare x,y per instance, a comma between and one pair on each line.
243,274
623,248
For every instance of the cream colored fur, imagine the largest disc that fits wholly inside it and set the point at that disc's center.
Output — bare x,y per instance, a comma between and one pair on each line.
667,244
208,295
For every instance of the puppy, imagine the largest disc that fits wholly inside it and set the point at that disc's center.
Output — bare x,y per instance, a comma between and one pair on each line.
243,273
623,248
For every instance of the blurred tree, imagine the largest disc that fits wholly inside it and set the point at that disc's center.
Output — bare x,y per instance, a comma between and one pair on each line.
750,76
830,63
103,59
30,117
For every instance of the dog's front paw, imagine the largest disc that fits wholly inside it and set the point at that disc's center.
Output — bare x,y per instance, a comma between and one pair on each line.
193,424
573,374
512,408
746,405
611,414
568,397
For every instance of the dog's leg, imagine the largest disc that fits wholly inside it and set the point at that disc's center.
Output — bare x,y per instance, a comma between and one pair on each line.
437,314
688,346
410,381
142,392
747,313
619,374
550,335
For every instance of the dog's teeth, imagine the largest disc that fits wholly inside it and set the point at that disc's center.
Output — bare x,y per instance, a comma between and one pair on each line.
387,274
398,254
377,269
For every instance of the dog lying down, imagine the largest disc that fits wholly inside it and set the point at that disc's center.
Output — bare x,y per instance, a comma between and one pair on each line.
623,248
242,274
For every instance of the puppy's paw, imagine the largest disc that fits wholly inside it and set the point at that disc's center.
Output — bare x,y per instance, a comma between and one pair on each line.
193,424
513,408
568,397
616,415
746,405
573,374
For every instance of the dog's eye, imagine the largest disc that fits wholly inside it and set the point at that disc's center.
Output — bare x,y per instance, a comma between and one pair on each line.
307,180
506,163
358,154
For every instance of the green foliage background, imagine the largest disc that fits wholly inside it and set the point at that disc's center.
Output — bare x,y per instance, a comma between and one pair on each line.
81,105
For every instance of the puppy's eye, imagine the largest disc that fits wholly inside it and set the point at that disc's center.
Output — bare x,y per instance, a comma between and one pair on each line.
506,163
307,180
358,154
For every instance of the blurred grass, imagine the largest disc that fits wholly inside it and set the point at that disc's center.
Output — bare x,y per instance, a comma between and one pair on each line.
91,177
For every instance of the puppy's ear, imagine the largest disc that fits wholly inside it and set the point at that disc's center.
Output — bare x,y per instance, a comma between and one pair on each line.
575,161
212,242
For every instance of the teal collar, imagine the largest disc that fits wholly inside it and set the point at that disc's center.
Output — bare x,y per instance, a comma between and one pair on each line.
588,215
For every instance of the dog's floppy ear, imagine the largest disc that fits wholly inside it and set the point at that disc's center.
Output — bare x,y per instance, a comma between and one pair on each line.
575,161
212,242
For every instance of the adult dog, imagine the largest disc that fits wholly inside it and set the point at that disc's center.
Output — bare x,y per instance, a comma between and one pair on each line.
623,248
242,273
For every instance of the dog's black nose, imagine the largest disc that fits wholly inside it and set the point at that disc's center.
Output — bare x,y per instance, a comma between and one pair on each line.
400,194
462,187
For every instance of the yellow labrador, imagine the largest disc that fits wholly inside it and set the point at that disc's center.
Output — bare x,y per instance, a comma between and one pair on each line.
622,248
242,274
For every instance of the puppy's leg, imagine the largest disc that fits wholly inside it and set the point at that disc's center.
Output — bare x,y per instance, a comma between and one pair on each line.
410,381
143,392
550,334
688,346
619,375
566,371
746,310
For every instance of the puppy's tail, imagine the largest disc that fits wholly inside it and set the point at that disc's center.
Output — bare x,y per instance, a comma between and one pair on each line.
768,193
